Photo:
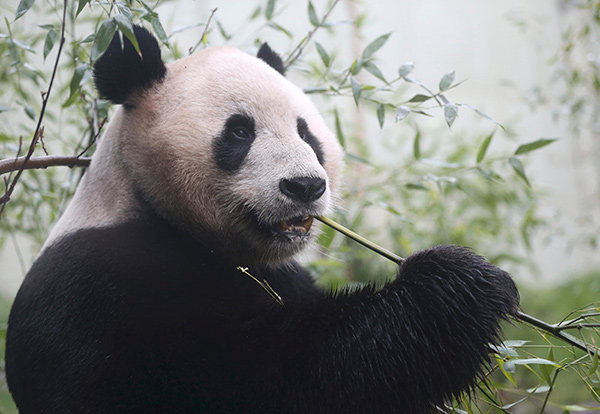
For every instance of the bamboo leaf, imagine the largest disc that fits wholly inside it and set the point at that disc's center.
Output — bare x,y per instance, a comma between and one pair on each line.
402,112
103,38
518,167
80,6
356,89
420,98
381,115
417,146
374,46
338,129
323,54
124,24
406,68
49,42
446,81
374,70
312,14
531,146
23,7
450,113
484,147
75,83
158,29
270,9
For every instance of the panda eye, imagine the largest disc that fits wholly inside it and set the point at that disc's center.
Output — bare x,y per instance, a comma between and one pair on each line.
241,133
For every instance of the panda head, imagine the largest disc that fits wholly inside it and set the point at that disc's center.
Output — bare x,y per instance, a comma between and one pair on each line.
221,145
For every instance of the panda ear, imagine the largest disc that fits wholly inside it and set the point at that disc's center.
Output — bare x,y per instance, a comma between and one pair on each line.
121,71
266,53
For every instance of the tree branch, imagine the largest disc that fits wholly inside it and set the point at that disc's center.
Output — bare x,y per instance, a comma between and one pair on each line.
24,163
298,50
39,130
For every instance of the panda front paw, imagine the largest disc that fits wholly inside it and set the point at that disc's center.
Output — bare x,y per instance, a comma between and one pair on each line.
458,278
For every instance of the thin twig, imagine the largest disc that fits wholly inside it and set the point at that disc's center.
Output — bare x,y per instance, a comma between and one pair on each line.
300,48
94,138
39,130
23,163
264,284
523,317
204,33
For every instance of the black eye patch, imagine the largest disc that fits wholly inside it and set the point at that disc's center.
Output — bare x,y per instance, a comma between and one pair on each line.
310,139
232,146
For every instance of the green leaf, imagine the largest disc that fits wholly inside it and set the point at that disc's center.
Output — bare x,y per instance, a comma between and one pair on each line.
531,146
406,68
356,66
416,186
380,115
446,81
534,361
374,70
125,10
323,54
507,369
374,46
417,146
483,148
420,98
518,167
75,84
312,14
338,129
450,113
356,89
490,175
280,28
158,29
402,112
23,7
29,111
222,30
49,42
270,9
594,365
80,6
126,27
103,38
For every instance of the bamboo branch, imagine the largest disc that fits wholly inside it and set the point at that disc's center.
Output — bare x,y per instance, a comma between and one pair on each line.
554,330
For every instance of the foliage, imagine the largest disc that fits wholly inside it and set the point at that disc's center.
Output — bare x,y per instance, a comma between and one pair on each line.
416,176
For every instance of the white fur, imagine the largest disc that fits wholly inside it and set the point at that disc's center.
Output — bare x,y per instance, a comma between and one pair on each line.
163,148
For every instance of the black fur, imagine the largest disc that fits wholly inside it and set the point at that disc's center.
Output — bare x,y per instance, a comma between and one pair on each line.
310,139
232,146
266,54
141,318
121,71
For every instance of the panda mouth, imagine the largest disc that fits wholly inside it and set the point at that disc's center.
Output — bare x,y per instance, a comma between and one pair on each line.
295,226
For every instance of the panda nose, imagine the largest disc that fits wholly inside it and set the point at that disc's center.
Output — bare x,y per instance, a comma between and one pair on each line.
304,189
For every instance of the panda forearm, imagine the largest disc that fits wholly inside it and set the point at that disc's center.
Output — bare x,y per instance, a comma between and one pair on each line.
420,340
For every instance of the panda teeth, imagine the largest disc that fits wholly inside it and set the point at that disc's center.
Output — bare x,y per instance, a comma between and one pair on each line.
300,224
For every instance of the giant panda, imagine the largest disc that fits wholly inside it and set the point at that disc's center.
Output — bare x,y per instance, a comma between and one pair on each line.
137,303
